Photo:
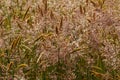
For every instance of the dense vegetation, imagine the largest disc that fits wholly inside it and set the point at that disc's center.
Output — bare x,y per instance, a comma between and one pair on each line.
59,40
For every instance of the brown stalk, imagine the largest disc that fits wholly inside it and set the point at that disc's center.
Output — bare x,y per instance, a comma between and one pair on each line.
94,16
87,1
1,21
89,20
56,30
26,13
61,23
15,42
94,4
84,10
52,15
45,5
81,9
40,10
19,25
9,66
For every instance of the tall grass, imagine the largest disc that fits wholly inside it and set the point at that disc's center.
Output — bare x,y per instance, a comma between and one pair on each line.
59,40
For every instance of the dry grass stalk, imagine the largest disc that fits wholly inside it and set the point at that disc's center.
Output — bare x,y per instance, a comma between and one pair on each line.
61,23
19,25
52,15
26,47
56,30
21,66
40,10
9,66
81,9
94,16
40,56
95,4
15,42
26,13
45,6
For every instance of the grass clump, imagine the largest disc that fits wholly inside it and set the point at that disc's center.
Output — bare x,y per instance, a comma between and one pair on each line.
59,40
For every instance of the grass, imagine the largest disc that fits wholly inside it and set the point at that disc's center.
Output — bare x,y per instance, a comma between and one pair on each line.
59,40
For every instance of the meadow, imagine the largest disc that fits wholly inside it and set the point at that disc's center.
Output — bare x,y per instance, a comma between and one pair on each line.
59,39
